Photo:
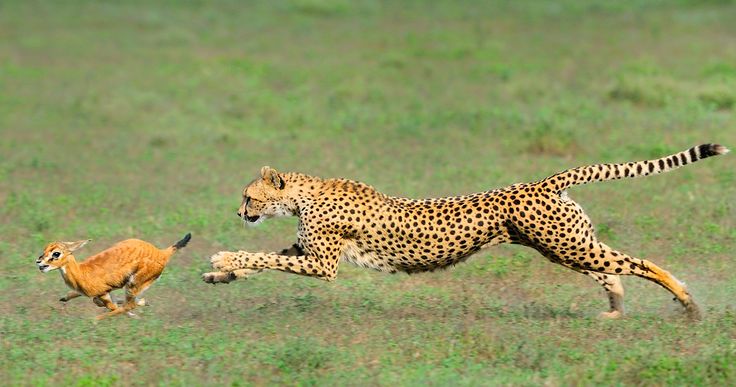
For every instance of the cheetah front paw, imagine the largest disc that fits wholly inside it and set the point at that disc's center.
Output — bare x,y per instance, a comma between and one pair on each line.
224,261
218,277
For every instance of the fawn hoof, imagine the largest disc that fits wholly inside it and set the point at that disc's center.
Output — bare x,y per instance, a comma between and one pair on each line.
98,302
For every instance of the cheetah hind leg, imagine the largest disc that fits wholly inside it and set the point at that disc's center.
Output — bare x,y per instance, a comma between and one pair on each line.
623,264
614,290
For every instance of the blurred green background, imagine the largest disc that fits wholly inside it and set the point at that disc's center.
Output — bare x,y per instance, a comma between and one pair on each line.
145,119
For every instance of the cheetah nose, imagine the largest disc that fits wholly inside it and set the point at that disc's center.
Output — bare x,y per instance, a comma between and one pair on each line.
239,214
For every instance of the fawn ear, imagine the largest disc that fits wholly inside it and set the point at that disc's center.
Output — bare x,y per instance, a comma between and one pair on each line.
76,245
272,177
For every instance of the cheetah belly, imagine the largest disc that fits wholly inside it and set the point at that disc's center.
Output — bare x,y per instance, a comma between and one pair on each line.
363,257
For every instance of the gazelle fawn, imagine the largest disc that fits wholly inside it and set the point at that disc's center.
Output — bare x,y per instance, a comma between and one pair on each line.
132,264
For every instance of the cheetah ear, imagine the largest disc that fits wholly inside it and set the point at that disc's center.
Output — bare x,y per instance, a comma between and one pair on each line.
71,246
272,177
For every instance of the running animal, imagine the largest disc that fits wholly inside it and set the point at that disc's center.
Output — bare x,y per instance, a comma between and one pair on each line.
348,220
133,264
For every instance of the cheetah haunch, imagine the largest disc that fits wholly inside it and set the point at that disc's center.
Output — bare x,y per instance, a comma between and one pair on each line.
343,219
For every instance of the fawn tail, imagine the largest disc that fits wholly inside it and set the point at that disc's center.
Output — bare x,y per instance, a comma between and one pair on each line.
178,245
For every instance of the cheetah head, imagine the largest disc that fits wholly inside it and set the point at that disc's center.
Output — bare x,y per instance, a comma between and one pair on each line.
265,197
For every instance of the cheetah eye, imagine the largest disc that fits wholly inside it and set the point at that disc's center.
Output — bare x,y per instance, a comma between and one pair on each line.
55,255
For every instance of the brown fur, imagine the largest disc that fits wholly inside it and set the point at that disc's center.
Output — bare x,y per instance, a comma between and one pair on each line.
132,264
346,220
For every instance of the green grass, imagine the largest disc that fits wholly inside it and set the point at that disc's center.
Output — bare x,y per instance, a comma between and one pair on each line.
132,119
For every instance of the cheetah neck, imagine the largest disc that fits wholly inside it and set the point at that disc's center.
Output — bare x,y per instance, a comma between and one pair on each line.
301,191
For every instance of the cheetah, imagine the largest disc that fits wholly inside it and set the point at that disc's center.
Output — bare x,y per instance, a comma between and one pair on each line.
347,220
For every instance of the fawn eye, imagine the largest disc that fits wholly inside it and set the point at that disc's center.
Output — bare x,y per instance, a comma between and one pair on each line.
56,254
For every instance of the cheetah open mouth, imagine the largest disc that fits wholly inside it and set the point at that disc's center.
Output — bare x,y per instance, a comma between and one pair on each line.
252,219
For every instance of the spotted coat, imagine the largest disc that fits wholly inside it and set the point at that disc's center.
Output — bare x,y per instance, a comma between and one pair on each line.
347,220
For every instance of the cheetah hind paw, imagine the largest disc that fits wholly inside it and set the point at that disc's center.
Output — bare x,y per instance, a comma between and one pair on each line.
693,311
612,315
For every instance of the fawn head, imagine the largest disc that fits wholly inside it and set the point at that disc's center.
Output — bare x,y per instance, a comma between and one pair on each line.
56,254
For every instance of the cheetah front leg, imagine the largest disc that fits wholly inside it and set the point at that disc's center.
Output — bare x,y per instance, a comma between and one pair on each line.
227,277
323,266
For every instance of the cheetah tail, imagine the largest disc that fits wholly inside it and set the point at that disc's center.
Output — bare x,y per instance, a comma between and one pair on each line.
601,172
